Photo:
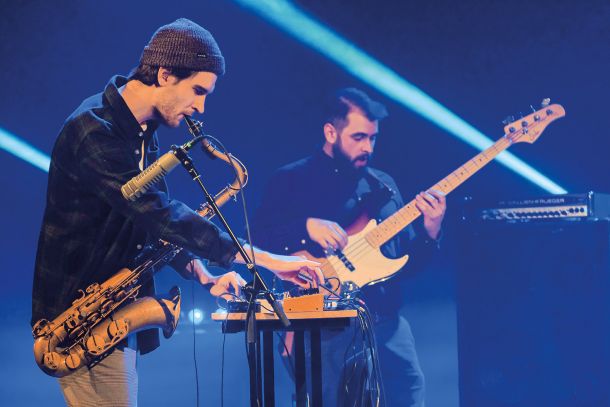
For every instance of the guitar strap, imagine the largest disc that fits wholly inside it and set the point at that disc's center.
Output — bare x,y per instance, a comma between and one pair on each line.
378,194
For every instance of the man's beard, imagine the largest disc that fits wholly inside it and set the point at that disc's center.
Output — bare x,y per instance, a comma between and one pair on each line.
345,161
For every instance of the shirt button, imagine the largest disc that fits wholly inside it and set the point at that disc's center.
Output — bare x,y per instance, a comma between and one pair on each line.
286,248
302,241
336,170
141,133
139,247
136,152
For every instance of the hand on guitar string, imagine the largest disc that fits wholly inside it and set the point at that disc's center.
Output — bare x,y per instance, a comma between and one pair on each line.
329,235
432,204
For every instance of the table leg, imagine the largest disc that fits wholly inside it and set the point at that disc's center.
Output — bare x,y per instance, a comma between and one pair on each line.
299,365
316,368
259,366
268,369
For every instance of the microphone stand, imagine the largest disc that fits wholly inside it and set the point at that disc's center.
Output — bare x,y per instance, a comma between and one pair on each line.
258,285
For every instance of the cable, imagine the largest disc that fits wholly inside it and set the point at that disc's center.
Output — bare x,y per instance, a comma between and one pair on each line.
347,377
241,193
372,347
363,349
310,280
220,297
288,355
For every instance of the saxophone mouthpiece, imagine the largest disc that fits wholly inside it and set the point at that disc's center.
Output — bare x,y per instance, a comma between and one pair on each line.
196,129
194,126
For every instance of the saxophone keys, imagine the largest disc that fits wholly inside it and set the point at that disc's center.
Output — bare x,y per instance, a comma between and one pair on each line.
96,345
82,295
73,361
52,360
41,328
118,328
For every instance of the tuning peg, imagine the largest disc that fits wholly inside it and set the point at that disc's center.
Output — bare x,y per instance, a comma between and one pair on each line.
508,120
545,102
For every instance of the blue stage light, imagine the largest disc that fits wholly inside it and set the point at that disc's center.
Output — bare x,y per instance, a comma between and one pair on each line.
195,316
306,29
23,150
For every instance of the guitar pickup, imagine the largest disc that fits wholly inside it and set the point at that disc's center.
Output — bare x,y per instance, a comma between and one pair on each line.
348,264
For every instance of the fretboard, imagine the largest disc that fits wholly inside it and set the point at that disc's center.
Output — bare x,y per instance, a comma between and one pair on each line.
408,213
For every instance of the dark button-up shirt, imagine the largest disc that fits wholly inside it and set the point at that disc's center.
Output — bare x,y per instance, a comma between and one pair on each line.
89,231
322,187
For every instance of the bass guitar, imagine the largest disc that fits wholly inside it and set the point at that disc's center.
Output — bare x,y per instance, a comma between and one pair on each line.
361,262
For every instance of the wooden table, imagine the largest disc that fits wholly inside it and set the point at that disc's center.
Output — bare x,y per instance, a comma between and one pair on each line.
267,324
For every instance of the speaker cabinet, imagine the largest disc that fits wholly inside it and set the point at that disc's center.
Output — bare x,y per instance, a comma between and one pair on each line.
534,314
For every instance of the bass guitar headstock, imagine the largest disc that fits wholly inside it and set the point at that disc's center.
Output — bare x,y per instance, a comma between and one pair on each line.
529,128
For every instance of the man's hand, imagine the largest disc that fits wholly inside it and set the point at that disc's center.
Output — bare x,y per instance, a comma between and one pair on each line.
296,269
432,205
220,284
224,283
328,234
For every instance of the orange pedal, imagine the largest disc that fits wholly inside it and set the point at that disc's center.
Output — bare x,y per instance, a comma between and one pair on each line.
305,303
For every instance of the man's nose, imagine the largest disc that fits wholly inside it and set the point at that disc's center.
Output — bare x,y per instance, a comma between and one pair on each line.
367,146
199,104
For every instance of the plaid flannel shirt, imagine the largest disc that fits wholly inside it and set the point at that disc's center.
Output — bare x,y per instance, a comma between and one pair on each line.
89,231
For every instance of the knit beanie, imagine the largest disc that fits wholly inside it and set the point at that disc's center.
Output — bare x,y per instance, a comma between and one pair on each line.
184,44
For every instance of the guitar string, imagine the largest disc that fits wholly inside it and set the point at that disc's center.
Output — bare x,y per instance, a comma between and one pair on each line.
361,246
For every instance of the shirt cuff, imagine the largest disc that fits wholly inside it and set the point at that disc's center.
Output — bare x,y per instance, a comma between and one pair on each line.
436,242
181,261
224,252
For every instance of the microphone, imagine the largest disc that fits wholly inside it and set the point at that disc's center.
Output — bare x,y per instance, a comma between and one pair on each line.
142,182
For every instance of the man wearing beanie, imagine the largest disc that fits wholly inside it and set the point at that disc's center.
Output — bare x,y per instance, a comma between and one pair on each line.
90,231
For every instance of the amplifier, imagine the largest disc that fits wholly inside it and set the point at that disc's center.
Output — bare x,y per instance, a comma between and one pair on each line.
589,206
533,299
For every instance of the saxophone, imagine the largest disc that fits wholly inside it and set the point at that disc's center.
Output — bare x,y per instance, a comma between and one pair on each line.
107,313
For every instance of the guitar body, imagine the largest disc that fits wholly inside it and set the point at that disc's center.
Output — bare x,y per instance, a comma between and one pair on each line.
359,262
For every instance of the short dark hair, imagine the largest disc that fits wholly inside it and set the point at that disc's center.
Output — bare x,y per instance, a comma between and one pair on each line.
345,99
147,74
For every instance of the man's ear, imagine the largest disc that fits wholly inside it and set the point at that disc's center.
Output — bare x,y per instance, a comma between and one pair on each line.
164,77
330,133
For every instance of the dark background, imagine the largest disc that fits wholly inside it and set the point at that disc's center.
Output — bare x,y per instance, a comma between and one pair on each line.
484,60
